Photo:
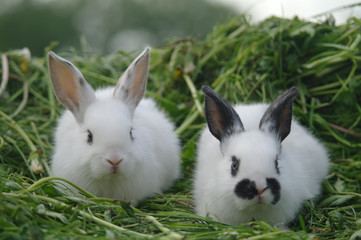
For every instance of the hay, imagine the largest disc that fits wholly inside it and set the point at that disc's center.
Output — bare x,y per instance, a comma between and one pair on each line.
242,62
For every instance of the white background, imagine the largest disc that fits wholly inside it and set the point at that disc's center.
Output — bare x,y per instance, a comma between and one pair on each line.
304,9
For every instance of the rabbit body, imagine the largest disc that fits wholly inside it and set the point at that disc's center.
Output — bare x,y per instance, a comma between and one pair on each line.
117,151
297,174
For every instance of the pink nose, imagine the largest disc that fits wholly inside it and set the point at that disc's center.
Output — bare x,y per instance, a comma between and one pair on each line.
114,163
260,191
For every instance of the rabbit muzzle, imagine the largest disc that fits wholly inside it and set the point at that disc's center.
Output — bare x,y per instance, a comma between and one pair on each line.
250,190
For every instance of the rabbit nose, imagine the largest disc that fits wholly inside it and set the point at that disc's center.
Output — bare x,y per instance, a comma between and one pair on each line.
262,190
248,189
114,163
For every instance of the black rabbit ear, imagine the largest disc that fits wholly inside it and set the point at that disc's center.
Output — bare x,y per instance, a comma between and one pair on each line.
278,117
222,119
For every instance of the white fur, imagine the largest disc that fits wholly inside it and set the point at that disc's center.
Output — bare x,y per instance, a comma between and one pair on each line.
133,153
150,163
303,165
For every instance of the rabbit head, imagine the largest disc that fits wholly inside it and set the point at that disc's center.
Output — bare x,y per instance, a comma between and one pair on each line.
249,168
104,133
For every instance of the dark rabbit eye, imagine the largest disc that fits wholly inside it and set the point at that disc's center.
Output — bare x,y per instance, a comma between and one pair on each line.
276,165
90,137
234,166
131,134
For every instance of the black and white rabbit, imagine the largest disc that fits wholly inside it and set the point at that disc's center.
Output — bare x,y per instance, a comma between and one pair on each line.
251,166
112,142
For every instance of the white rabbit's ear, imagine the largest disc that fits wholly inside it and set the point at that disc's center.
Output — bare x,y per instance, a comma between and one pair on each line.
72,90
222,119
278,117
133,82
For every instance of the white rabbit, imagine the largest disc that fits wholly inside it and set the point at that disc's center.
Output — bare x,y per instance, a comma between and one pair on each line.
256,168
111,142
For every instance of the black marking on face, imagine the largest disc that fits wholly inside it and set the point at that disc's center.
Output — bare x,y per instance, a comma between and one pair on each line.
234,166
246,189
276,165
90,137
275,188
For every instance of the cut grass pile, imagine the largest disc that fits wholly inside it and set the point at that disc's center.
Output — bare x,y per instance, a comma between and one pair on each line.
242,62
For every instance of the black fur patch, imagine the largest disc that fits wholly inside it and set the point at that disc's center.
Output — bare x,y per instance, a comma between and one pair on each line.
246,189
275,188
276,165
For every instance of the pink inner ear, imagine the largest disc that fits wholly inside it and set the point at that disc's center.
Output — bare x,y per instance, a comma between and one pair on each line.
216,119
284,115
284,120
139,83
65,82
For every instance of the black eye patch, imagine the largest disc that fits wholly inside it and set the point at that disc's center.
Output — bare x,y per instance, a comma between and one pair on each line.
276,165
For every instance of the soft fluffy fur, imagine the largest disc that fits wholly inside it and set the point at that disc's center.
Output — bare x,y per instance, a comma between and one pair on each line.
303,164
150,162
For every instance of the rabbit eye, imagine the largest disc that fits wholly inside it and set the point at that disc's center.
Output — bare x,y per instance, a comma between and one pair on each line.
90,137
234,166
131,134
276,165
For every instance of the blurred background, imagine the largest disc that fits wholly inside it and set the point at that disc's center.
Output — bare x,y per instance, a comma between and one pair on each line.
111,25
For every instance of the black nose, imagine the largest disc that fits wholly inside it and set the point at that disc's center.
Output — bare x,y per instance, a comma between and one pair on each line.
246,189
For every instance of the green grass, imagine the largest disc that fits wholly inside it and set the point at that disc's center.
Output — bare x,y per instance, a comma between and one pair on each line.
242,62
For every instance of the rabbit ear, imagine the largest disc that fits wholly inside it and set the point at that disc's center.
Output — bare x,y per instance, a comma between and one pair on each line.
277,118
133,82
69,85
222,119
